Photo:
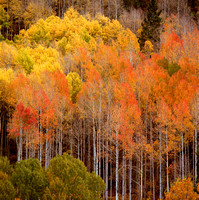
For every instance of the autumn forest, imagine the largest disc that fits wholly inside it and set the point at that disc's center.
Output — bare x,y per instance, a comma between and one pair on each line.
99,99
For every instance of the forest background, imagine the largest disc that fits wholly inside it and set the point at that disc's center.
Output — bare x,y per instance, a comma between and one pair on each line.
112,83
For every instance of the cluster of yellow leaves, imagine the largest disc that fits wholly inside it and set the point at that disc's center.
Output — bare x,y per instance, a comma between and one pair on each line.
148,48
74,31
6,92
74,83
28,59
45,59
7,56
6,75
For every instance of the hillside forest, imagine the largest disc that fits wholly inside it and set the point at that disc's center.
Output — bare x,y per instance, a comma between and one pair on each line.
99,99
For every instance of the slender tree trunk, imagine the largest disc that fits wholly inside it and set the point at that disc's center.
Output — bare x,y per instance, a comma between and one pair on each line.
141,173
175,166
145,174
125,178
106,163
26,142
116,9
153,170
19,154
97,154
43,7
99,147
94,147
47,150
167,161
11,27
182,152
178,9
99,135
117,167
89,153
59,11
84,140
40,143
109,8
111,177
60,136
78,143
82,133
19,24
7,21
130,176
93,8
107,136
123,174
145,155
168,4
195,154
57,141
71,138
64,8
103,161
160,162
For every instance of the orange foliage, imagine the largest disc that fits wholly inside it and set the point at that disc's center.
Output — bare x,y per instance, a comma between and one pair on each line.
183,190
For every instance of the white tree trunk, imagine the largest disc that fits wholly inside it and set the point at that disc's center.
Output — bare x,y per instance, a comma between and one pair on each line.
47,150
19,155
153,170
130,177
182,152
106,163
60,136
141,174
160,162
167,161
71,139
94,146
117,168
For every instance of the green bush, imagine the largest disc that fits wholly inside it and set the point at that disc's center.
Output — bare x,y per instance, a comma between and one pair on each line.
7,191
5,166
69,179
29,179
171,68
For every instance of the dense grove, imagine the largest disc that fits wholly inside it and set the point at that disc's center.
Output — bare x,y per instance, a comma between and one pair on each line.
86,86
21,14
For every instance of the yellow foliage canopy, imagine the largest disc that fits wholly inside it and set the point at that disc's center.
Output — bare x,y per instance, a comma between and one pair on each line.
74,31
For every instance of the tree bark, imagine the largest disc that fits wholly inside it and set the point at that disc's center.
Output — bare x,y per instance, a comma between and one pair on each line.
167,160
117,167
160,162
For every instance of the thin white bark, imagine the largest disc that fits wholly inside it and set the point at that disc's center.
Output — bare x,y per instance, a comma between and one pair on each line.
117,167
182,153
46,150
167,161
130,177
141,174
94,146
106,166
19,154
71,139
160,162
